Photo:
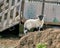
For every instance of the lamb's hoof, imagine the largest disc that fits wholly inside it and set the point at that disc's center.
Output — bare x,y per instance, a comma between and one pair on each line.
26,33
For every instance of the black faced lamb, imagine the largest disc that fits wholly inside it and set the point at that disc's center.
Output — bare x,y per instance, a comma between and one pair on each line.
33,23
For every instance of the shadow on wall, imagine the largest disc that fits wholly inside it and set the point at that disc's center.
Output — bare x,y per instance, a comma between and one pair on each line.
13,31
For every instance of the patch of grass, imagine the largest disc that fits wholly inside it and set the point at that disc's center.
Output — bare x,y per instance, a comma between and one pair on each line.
21,28
41,45
31,30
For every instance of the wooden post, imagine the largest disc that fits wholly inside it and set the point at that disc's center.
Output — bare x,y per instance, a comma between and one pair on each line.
43,5
22,10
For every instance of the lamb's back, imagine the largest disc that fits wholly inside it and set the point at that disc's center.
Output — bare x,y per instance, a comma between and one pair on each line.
30,24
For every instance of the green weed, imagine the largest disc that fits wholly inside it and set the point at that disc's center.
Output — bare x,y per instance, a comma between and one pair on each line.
41,45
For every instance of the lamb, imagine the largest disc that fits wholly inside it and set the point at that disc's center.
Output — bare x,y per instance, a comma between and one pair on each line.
33,23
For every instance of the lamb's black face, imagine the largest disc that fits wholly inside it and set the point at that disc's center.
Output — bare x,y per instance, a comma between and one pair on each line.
41,17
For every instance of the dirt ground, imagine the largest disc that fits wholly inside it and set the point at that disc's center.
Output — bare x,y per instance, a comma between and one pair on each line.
50,36
8,42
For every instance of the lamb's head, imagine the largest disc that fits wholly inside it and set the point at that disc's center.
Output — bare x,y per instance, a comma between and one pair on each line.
41,17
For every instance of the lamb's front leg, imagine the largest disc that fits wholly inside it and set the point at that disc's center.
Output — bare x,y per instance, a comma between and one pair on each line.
39,28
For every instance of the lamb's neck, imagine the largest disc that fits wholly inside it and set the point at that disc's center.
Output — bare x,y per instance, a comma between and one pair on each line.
38,20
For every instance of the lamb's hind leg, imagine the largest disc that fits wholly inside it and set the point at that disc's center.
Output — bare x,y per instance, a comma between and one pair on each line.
25,31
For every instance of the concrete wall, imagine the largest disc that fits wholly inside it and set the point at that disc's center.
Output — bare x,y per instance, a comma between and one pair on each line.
51,11
31,9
